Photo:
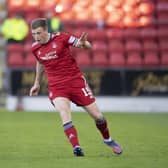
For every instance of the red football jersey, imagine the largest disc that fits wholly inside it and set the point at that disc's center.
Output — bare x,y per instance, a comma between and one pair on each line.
55,56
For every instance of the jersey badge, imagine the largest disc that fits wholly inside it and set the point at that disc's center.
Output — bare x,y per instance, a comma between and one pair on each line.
39,52
54,45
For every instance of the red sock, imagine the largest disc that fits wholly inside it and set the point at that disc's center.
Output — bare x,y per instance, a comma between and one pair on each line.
71,134
103,128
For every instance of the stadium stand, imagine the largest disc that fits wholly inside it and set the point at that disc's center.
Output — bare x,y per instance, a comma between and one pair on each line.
124,33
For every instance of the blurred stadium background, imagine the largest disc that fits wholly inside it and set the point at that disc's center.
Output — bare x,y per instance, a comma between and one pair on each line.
127,67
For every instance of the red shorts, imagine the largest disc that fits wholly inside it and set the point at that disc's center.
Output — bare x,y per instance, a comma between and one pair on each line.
76,90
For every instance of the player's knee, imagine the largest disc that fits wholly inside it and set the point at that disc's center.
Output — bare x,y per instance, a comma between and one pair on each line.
99,117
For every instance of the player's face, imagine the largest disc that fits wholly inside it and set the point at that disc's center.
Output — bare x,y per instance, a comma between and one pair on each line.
40,35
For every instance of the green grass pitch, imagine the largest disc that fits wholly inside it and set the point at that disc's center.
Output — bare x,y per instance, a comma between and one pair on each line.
36,140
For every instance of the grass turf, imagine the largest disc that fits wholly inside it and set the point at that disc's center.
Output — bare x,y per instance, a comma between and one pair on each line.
36,140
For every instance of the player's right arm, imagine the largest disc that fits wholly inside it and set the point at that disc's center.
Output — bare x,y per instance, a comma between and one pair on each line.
36,87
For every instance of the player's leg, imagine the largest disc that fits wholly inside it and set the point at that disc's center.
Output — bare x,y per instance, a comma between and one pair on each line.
63,106
101,124
82,95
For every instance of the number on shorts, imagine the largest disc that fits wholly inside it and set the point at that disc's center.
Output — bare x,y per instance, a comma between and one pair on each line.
87,91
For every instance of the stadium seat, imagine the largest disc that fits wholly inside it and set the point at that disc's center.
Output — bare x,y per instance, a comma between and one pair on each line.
95,35
115,18
130,20
29,16
98,13
162,10
99,45
150,45
117,59
148,33
66,15
132,3
15,5
48,5
100,4
31,5
81,10
146,8
71,24
83,58
132,33
29,60
15,47
115,4
133,45
134,59
161,1
83,4
82,15
151,59
162,6
162,32
148,20
99,58
131,10
27,47
163,45
87,23
15,59
64,6
114,33
116,45
164,59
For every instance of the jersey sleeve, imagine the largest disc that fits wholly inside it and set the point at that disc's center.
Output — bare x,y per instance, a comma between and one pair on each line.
70,39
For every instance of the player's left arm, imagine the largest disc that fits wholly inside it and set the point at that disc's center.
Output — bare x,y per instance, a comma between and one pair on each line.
83,42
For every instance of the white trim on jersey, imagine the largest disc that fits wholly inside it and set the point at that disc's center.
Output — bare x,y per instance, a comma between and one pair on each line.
35,43
73,40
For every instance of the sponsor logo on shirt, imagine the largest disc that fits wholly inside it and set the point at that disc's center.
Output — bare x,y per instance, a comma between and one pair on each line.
50,55
54,45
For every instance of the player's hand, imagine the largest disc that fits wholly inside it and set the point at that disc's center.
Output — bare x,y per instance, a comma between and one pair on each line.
34,90
83,37
83,43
